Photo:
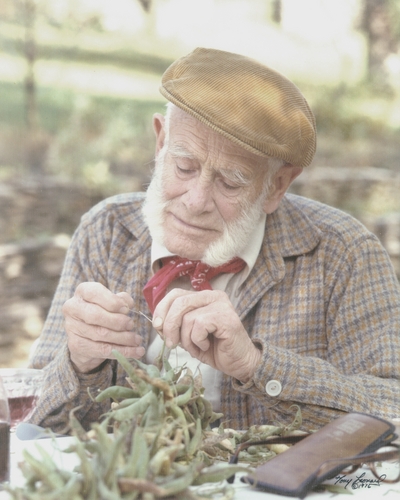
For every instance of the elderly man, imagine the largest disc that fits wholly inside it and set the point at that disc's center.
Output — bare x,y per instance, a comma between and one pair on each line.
276,299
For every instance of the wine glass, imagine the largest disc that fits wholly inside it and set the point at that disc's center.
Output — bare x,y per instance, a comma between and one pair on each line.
23,387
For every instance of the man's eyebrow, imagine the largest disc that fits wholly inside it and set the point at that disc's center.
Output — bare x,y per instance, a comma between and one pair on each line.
235,175
180,152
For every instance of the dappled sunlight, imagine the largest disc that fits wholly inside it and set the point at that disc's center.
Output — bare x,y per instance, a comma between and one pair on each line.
12,68
98,80
84,77
320,20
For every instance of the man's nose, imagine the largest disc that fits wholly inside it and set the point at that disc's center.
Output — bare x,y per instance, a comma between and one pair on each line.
199,197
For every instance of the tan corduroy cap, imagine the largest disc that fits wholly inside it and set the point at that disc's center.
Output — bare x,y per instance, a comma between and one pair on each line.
247,102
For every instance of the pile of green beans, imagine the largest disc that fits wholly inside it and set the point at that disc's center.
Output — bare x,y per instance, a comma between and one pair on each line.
155,442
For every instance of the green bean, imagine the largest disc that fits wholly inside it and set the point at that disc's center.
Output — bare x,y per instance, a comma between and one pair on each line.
125,402
170,375
200,407
85,466
296,424
196,439
130,370
128,484
194,412
178,413
154,412
218,472
152,370
76,426
133,410
156,382
160,463
47,475
216,491
190,418
116,392
184,398
108,474
208,413
106,493
139,457
184,481
71,488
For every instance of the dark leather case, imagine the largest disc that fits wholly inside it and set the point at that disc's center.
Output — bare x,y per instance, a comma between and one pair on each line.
306,464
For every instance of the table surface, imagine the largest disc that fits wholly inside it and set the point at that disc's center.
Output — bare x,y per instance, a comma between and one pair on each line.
242,491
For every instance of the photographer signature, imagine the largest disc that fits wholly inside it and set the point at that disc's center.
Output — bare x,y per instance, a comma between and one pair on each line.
359,481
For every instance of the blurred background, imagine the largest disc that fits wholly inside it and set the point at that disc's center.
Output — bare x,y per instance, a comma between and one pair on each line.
79,83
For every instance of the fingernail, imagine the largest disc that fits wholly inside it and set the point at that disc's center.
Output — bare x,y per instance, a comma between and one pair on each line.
129,324
124,310
140,351
157,323
169,343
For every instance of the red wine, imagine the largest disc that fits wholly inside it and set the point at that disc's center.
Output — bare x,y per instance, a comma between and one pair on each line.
4,451
21,408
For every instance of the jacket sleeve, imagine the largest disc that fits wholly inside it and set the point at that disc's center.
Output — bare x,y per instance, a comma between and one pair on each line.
64,389
360,368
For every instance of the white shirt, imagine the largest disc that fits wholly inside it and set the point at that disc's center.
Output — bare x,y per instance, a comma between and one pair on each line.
228,282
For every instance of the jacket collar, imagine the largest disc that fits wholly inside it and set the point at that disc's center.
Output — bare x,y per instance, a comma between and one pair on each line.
290,229
288,233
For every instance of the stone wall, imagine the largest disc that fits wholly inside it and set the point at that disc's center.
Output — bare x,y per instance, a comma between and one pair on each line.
41,207
29,273
37,219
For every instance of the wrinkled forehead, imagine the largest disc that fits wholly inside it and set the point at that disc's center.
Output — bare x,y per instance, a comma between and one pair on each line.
189,138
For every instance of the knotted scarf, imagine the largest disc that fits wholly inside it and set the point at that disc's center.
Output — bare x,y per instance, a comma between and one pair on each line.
199,273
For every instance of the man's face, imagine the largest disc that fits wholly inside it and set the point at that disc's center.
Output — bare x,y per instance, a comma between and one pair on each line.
209,186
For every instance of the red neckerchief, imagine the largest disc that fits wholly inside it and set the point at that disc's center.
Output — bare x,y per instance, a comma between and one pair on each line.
199,273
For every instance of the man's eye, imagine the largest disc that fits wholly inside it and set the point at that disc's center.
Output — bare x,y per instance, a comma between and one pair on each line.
183,171
229,185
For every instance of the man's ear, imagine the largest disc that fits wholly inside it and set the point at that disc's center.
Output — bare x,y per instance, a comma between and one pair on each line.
159,130
281,182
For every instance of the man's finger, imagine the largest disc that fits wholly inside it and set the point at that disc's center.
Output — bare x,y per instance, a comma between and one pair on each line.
174,306
96,293
197,326
99,351
99,333
94,315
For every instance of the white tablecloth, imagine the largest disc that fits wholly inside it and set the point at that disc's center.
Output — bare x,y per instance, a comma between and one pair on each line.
242,491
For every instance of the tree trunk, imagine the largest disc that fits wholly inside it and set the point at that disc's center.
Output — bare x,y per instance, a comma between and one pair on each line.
276,13
376,24
29,8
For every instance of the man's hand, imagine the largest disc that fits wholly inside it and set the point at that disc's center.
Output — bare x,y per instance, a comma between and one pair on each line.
96,322
206,325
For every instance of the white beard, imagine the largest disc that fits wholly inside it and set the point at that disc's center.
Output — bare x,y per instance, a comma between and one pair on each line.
235,234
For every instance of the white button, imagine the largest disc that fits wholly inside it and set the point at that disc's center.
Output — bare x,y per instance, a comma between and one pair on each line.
273,388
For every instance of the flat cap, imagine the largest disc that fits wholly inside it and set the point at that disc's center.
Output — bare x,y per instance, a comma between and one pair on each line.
244,100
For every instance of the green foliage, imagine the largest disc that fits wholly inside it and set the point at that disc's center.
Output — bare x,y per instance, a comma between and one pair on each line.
353,113
104,137
394,11
88,139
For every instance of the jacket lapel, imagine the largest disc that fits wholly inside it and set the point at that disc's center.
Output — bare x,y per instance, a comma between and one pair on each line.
139,258
288,232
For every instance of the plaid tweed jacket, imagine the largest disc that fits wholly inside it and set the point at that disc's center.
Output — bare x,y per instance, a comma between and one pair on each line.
322,302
